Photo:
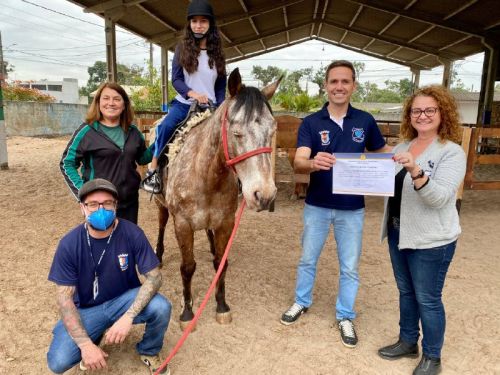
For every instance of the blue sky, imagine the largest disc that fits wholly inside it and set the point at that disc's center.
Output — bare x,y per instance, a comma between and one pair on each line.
55,39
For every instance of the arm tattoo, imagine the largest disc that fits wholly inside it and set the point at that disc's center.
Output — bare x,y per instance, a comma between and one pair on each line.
146,292
70,315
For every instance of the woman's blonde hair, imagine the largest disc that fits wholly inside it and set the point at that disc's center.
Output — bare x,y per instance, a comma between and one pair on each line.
127,115
449,129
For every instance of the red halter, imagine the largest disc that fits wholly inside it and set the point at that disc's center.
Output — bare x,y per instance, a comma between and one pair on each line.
230,162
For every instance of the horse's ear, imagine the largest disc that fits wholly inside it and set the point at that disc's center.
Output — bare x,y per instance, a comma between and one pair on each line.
270,89
234,83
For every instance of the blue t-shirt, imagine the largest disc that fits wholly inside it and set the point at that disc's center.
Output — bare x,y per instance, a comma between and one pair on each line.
321,134
73,265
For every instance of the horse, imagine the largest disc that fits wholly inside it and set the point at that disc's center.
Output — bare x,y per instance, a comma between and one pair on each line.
200,184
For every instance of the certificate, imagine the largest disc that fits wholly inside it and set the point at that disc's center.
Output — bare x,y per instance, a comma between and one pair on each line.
363,174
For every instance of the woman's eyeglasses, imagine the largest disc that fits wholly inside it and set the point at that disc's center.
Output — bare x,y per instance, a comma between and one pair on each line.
429,111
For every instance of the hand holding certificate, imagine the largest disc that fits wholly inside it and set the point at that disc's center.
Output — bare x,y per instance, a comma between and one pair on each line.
363,174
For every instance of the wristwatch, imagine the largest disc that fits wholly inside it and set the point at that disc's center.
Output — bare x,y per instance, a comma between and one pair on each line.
419,175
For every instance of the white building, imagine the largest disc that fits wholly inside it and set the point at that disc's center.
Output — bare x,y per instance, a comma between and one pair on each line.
65,91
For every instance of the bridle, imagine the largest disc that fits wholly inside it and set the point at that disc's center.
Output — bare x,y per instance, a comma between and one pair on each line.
230,162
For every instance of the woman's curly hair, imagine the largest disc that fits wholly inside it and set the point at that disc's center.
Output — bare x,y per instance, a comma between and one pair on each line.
449,129
190,49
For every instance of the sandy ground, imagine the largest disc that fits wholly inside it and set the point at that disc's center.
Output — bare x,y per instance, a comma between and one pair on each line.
36,209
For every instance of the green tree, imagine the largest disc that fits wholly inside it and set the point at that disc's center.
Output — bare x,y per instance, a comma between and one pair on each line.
149,98
359,67
266,75
319,79
98,73
456,83
364,91
403,88
291,82
307,74
130,75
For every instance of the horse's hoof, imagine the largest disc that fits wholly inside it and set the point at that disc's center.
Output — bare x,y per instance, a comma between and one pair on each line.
161,265
224,318
185,324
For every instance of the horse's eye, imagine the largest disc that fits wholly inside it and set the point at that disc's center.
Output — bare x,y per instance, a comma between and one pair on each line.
237,134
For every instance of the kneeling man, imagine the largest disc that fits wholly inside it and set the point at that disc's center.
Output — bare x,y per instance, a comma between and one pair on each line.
99,294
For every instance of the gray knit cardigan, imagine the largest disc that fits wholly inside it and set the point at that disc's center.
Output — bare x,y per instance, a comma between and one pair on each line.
429,217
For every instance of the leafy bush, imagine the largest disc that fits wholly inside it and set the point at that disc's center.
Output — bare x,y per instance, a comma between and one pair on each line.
283,100
304,103
23,94
149,98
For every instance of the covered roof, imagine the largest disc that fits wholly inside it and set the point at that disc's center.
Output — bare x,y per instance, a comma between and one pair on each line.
421,34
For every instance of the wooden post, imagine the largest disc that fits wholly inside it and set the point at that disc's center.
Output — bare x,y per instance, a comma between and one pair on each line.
466,138
109,29
4,164
471,158
164,78
273,165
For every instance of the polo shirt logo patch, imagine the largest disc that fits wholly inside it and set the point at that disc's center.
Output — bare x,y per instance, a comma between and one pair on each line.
123,261
325,137
358,134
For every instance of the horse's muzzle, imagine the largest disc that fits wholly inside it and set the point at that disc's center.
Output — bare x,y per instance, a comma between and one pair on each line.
262,201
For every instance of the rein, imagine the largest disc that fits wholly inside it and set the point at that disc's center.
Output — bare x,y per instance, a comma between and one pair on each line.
231,162
191,325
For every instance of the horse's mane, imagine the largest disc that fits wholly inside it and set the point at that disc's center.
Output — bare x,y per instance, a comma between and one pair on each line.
253,98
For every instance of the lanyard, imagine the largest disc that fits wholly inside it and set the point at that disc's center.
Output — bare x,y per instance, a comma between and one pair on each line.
96,282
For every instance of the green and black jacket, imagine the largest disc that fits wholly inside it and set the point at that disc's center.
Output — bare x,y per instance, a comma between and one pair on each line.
91,154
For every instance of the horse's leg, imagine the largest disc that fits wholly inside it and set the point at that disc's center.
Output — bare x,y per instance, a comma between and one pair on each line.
162,223
222,235
211,240
185,240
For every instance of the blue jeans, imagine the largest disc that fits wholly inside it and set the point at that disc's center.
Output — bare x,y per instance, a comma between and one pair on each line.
348,231
64,353
420,276
176,114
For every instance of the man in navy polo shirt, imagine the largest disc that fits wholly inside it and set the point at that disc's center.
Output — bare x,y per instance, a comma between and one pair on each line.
337,127
99,294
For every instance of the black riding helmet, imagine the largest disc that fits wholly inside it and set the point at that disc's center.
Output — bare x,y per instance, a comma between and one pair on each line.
200,8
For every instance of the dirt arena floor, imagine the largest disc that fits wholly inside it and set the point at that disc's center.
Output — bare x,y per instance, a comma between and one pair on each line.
36,209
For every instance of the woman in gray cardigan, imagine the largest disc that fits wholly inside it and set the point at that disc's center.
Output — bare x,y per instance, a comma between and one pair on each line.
421,221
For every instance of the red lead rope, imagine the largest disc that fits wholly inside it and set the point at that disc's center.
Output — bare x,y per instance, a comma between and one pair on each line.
189,328
230,162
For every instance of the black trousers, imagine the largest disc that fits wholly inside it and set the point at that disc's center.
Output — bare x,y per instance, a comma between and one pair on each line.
128,210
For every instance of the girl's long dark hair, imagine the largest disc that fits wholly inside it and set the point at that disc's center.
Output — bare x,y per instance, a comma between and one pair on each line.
190,49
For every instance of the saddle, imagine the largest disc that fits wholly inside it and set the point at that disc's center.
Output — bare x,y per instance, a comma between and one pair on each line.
194,110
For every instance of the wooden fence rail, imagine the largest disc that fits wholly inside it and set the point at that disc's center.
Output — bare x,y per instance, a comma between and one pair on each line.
481,145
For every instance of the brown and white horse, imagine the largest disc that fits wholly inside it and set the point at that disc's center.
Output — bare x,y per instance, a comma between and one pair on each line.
201,189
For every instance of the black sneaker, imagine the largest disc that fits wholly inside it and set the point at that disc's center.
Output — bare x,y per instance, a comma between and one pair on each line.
292,314
347,333
399,350
428,366
151,183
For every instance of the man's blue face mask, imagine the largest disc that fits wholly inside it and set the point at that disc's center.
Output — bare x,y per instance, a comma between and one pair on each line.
101,219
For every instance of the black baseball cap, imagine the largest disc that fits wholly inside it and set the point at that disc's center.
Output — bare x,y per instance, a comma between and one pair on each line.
98,184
